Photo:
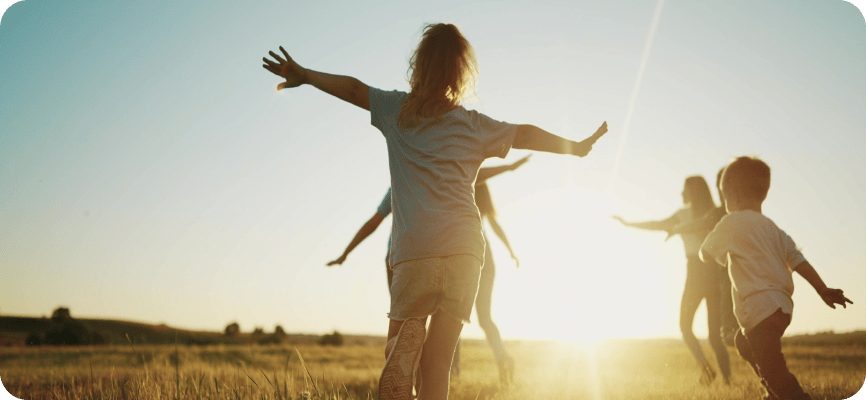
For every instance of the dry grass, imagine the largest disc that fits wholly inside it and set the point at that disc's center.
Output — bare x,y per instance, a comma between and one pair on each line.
545,370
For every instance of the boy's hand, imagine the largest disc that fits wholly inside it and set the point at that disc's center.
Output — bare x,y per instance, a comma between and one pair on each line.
583,147
833,297
294,74
618,218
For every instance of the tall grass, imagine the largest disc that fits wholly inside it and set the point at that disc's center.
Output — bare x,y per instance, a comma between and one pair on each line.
544,370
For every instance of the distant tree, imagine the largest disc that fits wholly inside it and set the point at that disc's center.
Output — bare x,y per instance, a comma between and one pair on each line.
61,314
66,330
333,339
258,331
233,329
277,337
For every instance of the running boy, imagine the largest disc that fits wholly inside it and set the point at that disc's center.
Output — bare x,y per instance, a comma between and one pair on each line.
761,259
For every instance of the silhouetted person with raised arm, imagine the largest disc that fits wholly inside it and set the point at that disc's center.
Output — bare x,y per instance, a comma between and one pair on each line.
435,148
484,300
704,225
760,258
702,279
384,210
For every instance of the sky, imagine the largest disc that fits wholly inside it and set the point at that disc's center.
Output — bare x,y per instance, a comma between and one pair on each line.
150,171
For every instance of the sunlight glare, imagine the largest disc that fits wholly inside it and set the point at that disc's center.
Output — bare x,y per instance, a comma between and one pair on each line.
578,279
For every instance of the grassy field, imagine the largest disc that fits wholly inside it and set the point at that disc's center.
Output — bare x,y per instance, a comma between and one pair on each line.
660,369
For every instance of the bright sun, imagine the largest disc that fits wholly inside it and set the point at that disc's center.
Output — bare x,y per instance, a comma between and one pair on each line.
582,278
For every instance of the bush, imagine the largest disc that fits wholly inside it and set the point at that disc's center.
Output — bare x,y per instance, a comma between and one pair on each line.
233,329
67,332
333,339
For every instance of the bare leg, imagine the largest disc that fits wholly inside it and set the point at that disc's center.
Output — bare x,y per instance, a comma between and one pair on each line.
455,361
693,294
483,303
442,335
688,306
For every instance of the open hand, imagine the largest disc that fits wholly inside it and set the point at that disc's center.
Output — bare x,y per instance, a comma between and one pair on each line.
583,147
833,297
338,261
294,74
618,218
598,133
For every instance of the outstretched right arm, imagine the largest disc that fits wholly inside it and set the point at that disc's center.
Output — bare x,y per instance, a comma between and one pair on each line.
701,226
368,228
531,137
830,296
345,88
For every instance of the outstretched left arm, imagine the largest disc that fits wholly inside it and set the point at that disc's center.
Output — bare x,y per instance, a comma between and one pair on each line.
489,172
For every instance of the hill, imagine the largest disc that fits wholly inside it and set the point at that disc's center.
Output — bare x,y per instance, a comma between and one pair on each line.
15,330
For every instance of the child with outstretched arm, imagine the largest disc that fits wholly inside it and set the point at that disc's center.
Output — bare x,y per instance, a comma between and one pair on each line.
435,148
761,259
384,210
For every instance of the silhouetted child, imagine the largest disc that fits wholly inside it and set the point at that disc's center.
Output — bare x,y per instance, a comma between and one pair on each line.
761,259
384,210
435,148
367,229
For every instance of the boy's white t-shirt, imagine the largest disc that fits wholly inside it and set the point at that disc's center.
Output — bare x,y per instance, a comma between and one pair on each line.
433,169
760,258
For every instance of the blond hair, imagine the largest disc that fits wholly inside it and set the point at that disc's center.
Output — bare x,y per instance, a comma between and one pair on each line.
442,70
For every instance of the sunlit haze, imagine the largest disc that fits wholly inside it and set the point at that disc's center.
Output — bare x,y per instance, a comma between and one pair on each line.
151,172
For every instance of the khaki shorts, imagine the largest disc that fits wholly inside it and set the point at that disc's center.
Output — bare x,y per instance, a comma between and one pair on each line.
422,287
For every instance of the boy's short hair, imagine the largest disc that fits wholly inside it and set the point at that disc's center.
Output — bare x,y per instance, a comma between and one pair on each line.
749,177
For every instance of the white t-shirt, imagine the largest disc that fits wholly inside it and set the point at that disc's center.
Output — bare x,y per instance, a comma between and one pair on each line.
691,241
433,169
760,258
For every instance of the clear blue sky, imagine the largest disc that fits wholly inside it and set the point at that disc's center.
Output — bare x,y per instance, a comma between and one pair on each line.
151,172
